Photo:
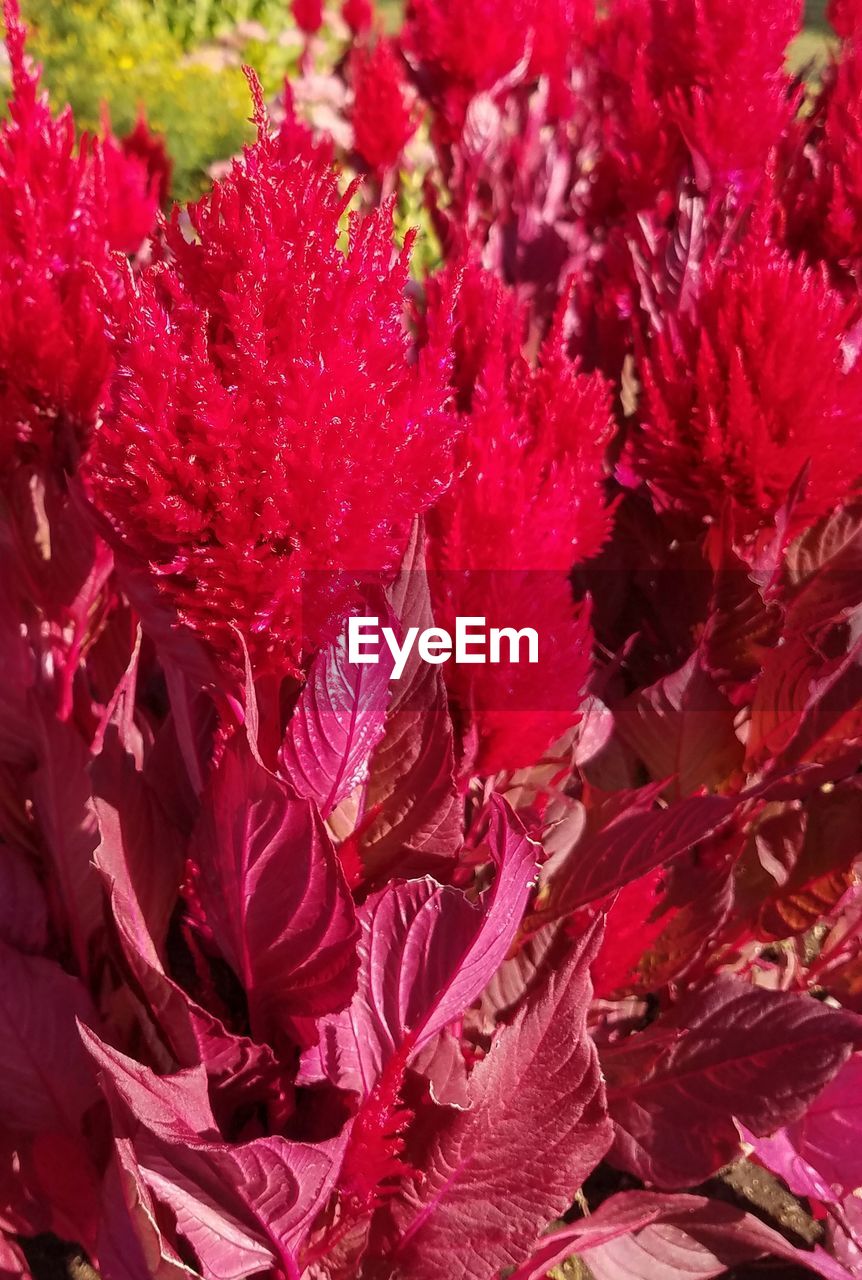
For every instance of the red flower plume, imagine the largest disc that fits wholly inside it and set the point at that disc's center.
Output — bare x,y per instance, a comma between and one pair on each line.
308,15
270,436
132,192
60,282
465,47
359,15
748,388
150,149
528,504
383,113
692,87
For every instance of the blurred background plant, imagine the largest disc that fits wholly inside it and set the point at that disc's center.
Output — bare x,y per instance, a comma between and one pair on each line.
131,53
181,61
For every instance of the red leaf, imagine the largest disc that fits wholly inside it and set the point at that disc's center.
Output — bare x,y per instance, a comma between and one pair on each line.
426,952
338,721
414,811
12,1263
23,912
682,729
274,895
822,1147
729,1051
132,827
642,1235
45,1078
632,844
130,1246
805,709
63,803
823,567
242,1208
498,1172
18,665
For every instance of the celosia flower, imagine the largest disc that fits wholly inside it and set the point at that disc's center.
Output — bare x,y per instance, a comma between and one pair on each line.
464,47
559,29
476,43
692,87
132,193
59,280
150,148
529,503
308,15
269,436
383,117
359,15
749,387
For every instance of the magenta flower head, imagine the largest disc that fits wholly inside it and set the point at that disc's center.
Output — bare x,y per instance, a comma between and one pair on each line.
528,504
692,87
271,434
463,48
383,116
308,15
61,284
359,15
149,149
750,388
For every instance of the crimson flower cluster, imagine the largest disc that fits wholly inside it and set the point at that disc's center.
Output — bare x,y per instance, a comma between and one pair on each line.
65,211
384,114
527,505
766,341
258,355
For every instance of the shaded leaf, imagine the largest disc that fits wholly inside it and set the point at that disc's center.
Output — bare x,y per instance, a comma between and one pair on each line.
683,729
633,843
413,811
644,1235
274,895
728,1052
23,910
819,1154
427,951
242,1208
46,1081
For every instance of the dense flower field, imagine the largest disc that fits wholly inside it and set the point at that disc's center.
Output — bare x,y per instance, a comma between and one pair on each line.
311,973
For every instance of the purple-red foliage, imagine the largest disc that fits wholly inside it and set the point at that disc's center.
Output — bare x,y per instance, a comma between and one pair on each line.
348,977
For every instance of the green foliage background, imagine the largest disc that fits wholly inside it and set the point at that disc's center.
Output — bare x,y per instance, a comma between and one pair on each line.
129,53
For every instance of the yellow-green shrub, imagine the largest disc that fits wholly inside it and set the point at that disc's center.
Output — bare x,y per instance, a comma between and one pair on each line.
122,52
